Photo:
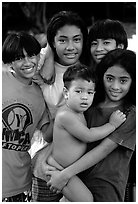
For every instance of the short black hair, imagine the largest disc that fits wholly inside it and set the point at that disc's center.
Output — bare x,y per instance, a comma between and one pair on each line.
78,71
14,44
107,28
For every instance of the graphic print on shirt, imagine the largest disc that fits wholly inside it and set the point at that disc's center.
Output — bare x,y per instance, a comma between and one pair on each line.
16,118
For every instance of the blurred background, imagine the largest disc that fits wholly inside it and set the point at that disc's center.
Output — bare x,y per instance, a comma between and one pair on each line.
34,16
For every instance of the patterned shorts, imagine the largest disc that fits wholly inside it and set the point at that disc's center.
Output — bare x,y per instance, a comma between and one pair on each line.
42,193
22,197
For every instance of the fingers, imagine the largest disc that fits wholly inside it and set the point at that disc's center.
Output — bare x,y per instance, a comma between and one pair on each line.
48,183
53,189
120,113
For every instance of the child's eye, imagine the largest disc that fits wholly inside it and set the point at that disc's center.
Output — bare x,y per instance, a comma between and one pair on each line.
61,40
77,40
19,58
91,92
123,81
94,43
109,79
78,91
106,42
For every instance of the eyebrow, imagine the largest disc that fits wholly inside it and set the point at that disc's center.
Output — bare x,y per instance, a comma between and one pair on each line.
127,77
64,36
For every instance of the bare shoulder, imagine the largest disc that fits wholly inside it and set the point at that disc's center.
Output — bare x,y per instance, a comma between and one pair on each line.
64,113
65,116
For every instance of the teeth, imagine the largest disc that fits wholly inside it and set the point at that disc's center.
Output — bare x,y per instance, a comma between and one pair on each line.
70,55
28,69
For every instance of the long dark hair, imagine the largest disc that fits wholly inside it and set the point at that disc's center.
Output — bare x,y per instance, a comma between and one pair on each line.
66,18
127,60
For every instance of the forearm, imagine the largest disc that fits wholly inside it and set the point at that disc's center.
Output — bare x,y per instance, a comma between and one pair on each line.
90,159
102,131
47,69
47,131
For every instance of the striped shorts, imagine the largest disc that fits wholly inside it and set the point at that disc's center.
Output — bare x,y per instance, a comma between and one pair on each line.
22,197
42,193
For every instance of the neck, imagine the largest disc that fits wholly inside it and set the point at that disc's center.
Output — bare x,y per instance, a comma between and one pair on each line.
22,80
110,104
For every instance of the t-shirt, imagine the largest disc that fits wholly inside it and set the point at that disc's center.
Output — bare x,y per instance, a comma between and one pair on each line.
53,93
114,169
23,110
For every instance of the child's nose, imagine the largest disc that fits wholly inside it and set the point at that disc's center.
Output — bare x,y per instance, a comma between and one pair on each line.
115,85
70,45
85,96
99,46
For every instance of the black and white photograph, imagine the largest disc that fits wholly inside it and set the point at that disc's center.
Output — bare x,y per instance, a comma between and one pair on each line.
69,101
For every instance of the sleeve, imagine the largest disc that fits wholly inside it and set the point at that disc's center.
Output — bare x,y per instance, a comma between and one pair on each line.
125,135
45,119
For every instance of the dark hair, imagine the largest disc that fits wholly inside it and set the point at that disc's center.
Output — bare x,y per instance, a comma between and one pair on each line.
14,44
107,28
78,71
66,18
127,60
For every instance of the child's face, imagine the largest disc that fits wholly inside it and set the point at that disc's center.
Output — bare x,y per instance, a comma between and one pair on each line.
100,47
117,83
68,43
25,68
80,95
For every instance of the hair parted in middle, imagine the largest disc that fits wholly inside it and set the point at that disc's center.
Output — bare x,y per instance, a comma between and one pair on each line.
61,19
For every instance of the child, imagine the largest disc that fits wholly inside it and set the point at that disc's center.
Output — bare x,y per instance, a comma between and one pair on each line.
104,36
108,160
23,110
70,133
66,36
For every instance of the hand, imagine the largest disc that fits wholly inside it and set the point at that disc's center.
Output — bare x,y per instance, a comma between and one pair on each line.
117,118
38,79
57,181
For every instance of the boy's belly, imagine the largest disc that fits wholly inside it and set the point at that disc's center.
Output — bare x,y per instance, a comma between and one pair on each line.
65,156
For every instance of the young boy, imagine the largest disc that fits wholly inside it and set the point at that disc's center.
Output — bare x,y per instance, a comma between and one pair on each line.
23,110
70,133
104,36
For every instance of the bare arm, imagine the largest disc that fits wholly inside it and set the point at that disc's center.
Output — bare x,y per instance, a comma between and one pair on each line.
75,127
92,157
60,178
47,131
47,67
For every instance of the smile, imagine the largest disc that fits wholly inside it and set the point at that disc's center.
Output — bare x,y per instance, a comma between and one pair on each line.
28,69
71,55
99,57
115,94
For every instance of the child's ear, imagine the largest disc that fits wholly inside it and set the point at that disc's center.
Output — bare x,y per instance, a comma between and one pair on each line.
11,67
120,46
65,93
